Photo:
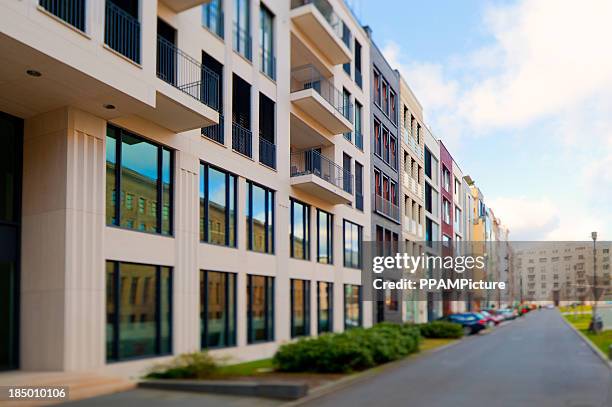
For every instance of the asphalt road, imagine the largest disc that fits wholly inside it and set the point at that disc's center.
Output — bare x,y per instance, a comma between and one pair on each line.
534,361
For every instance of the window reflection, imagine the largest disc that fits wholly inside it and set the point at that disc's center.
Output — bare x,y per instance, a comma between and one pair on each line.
260,218
300,308
260,300
324,298
217,309
300,214
217,206
324,237
352,306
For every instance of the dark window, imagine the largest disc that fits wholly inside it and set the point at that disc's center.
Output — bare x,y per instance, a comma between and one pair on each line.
241,116
217,309
267,146
358,186
300,230
325,229
346,176
352,244
358,124
260,308
138,310
352,306
122,28
358,76
268,61
325,306
217,206
216,131
300,308
138,168
427,162
71,11
428,198
260,218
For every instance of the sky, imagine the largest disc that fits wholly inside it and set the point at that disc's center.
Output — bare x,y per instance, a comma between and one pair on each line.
521,94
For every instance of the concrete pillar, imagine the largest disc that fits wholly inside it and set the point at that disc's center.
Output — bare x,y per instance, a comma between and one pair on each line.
62,278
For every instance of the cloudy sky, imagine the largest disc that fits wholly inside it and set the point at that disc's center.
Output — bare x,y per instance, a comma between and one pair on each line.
521,92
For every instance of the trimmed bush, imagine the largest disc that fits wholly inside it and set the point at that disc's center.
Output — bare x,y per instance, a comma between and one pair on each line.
197,365
352,350
441,329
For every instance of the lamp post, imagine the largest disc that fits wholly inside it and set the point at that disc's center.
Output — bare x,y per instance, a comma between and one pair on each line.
594,317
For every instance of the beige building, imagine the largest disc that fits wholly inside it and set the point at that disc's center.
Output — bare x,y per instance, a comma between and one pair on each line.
185,179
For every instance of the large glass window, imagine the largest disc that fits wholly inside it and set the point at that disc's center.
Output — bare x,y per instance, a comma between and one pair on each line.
300,308
352,244
325,306
300,230
217,309
325,243
138,310
267,42
242,28
352,306
142,173
260,218
260,308
217,206
212,17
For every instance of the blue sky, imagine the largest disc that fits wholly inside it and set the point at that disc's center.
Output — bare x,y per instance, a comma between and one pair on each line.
521,93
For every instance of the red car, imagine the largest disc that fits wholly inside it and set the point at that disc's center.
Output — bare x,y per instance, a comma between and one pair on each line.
491,319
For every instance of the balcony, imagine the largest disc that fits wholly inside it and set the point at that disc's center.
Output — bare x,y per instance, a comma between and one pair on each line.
242,140
386,208
188,93
317,20
215,132
316,96
181,5
316,174
70,11
267,152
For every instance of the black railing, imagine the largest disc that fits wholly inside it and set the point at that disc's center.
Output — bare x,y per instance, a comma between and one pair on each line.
71,11
212,19
242,42
312,162
267,152
215,132
241,140
186,73
359,201
307,77
268,63
122,32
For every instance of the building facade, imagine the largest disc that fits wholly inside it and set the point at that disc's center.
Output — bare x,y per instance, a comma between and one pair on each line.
180,191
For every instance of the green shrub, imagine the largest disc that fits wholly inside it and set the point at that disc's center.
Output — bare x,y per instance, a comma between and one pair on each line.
197,365
352,350
441,329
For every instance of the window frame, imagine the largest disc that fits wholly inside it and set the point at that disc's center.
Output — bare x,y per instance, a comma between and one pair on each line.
231,341
306,229
359,305
330,237
330,311
270,194
269,284
346,262
204,232
305,306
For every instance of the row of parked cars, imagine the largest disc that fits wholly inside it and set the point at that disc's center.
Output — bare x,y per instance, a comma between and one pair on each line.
474,322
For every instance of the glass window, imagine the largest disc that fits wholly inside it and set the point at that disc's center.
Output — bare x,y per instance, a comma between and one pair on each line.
217,309
300,308
212,17
325,245
358,125
217,206
300,230
267,41
352,306
352,244
242,28
260,312
138,310
260,218
325,306
142,171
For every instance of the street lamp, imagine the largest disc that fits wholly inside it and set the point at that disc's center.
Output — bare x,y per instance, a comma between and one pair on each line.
594,324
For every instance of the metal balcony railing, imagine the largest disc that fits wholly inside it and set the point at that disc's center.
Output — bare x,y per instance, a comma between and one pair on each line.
241,140
307,77
71,11
385,207
327,11
267,152
215,132
268,63
186,73
242,42
122,32
212,19
312,162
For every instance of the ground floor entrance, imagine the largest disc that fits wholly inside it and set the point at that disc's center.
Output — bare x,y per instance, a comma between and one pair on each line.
11,141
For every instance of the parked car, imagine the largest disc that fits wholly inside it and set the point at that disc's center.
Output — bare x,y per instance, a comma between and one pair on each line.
491,319
499,314
471,322
508,313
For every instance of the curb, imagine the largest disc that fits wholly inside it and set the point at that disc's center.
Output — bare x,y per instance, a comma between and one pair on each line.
590,344
361,376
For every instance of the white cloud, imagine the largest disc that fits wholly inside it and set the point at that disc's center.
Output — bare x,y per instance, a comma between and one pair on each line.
527,219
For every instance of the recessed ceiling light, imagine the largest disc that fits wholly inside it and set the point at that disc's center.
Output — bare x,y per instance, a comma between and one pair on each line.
33,73
109,106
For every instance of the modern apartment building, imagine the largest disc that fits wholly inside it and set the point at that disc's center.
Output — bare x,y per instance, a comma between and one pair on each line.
175,178
385,175
412,174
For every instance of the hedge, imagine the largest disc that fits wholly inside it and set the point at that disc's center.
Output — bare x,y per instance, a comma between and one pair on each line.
352,350
441,329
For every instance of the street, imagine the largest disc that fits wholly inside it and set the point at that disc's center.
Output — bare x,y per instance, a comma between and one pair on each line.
534,361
